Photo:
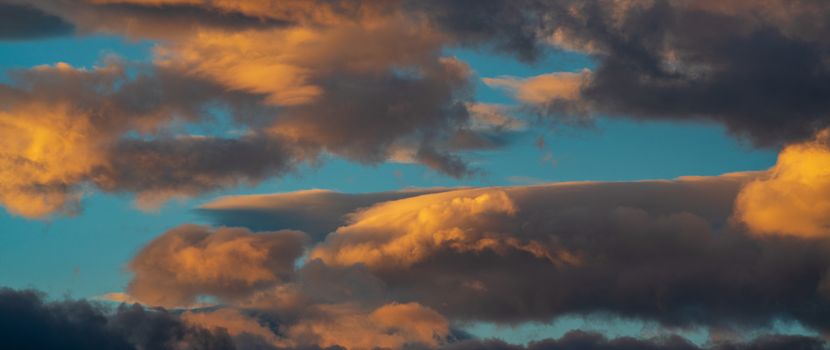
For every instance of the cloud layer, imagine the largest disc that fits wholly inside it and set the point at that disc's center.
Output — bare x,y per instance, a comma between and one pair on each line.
368,81
29,322
685,253
672,252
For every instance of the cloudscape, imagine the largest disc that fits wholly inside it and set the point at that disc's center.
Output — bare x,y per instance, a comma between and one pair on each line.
415,174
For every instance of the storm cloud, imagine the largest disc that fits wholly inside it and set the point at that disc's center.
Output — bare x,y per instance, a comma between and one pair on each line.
19,21
29,322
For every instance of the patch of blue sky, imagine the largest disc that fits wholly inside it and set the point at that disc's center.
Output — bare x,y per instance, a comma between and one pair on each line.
83,255
78,51
614,327
607,325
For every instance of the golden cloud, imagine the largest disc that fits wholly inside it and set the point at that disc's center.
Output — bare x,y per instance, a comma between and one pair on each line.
793,198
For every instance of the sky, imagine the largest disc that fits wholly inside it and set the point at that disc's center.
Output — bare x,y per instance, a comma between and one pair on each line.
532,174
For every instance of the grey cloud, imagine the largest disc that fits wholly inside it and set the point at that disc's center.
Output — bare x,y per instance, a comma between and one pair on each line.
29,322
20,21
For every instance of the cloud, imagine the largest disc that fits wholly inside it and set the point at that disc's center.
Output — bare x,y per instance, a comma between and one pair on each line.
29,322
42,156
26,22
649,63
655,250
390,326
293,102
758,69
316,212
65,128
192,261
543,88
669,251
792,198
233,322
666,251
302,79
660,251
548,94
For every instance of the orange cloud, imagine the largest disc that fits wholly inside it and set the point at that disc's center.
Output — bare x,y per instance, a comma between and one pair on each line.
544,88
262,62
401,233
793,198
285,64
46,152
192,261
390,326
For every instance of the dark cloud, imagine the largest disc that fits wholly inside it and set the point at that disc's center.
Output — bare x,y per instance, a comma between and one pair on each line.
189,166
25,22
29,322
404,109
755,78
513,27
759,69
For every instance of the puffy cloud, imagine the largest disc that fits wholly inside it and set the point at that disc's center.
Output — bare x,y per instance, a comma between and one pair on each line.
399,234
65,128
402,233
792,198
267,301
192,261
29,322
43,153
